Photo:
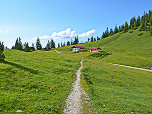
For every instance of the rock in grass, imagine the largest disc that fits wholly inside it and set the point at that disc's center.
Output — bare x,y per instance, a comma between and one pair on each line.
19,111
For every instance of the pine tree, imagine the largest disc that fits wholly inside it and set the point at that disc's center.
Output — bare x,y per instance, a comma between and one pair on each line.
98,38
103,35
77,42
111,32
116,29
135,23
64,44
38,44
52,43
61,44
48,45
91,38
141,27
119,29
68,43
20,44
58,45
88,39
126,26
71,42
122,27
94,39
27,48
107,32
138,21
2,56
16,44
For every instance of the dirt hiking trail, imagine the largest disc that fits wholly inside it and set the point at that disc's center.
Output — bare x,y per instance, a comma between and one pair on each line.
74,99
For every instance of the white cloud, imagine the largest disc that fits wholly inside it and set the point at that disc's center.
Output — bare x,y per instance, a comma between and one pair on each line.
8,31
86,34
65,34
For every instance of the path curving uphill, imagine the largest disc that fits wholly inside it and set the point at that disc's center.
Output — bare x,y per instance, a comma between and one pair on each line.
73,101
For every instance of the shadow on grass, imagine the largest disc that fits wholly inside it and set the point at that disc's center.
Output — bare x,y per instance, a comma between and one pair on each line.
20,66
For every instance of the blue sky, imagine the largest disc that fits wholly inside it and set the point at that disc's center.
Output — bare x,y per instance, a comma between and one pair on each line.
64,19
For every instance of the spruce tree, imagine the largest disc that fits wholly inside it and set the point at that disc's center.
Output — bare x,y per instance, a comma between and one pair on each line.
141,27
77,41
61,44
38,44
88,39
52,43
126,26
135,23
71,42
103,35
98,38
122,27
48,45
119,29
2,56
91,38
16,44
116,29
20,44
58,45
27,48
107,32
111,32
68,43
138,21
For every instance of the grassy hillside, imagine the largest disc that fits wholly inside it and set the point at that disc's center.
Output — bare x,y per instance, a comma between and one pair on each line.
40,81
36,82
126,48
115,89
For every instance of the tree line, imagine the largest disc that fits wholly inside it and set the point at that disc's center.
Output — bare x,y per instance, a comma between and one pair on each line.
144,23
25,47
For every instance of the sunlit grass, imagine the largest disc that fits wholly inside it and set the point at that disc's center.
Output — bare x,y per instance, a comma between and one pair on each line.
36,82
116,89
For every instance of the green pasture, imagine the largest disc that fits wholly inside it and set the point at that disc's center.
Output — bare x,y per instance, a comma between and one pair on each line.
115,89
36,82
40,81
126,48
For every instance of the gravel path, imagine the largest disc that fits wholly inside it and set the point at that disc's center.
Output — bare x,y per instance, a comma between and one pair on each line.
57,51
133,67
73,101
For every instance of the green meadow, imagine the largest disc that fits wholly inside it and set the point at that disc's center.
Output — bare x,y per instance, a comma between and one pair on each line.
36,82
126,48
40,81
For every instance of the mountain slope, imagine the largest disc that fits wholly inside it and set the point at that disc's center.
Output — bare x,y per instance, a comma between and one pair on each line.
126,48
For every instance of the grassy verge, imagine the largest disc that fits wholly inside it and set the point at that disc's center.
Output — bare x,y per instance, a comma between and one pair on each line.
36,82
114,89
